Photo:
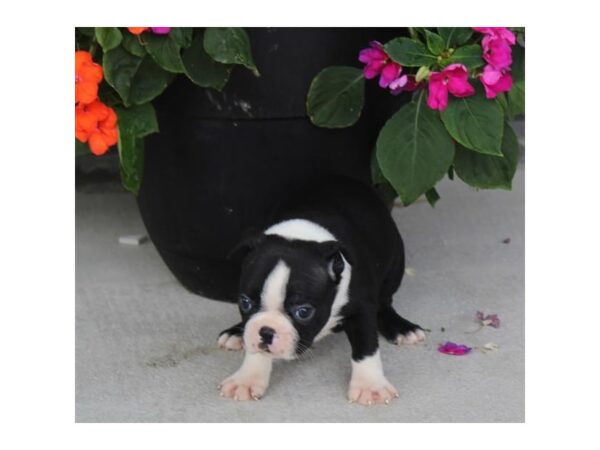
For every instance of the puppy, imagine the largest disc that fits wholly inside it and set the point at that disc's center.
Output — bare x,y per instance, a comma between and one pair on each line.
330,263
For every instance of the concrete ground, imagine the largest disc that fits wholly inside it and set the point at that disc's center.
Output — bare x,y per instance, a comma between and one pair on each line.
146,348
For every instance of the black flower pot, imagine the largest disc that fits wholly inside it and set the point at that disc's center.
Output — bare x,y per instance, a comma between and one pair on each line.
223,162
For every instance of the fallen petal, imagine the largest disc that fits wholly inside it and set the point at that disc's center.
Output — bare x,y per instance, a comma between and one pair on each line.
450,348
489,347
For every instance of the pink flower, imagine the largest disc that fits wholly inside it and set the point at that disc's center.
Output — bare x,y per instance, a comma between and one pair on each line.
378,63
453,79
501,32
375,59
491,320
161,30
495,81
406,83
496,46
497,51
391,74
450,348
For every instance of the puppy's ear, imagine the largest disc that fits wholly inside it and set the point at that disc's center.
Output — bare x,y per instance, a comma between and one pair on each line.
333,251
245,246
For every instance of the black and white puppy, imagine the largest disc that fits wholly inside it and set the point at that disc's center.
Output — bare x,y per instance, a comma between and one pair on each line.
330,263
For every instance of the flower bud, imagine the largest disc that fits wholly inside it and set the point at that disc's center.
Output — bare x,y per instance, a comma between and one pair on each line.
422,74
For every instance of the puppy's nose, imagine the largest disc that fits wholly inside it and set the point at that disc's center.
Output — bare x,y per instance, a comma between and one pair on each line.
266,334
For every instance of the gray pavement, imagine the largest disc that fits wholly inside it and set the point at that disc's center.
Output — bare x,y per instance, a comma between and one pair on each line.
146,348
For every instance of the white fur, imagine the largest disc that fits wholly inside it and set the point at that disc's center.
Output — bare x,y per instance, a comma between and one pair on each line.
251,380
368,384
413,337
284,340
230,341
301,230
272,315
275,287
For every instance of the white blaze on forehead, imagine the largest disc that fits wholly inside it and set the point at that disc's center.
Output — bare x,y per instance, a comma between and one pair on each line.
302,230
275,287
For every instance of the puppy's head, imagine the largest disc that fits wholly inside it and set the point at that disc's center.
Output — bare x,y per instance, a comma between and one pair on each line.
287,289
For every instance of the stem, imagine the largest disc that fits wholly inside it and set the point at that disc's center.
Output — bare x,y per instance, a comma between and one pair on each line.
93,47
413,33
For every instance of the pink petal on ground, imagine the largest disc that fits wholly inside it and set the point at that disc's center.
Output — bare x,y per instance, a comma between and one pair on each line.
450,348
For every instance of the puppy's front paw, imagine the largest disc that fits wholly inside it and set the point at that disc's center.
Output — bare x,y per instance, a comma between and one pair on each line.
240,386
363,393
411,337
230,341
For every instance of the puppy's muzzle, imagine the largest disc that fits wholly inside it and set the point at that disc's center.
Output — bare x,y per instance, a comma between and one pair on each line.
271,332
266,338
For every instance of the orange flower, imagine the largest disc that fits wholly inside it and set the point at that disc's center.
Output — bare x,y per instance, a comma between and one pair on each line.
137,30
87,76
96,124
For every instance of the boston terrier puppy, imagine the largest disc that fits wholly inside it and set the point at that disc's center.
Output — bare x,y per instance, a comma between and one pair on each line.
330,263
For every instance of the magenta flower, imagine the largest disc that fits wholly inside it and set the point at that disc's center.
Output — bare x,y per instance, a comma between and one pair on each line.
161,30
453,79
495,81
491,320
501,32
390,74
450,348
378,63
406,83
375,59
497,51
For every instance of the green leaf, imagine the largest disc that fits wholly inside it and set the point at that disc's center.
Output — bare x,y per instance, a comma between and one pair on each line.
435,43
414,150
516,95
165,51
230,46
475,122
517,69
139,120
377,176
131,159
469,55
137,80
409,53
432,197
516,98
87,31
182,36
148,82
108,37
202,69
489,172
119,69
131,43
451,172
108,95
455,36
502,101
336,97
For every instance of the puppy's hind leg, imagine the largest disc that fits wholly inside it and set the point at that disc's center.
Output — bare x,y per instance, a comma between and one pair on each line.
231,338
397,329
390,324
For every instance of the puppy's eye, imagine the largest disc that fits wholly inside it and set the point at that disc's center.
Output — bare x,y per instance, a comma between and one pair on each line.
246,304
303,313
